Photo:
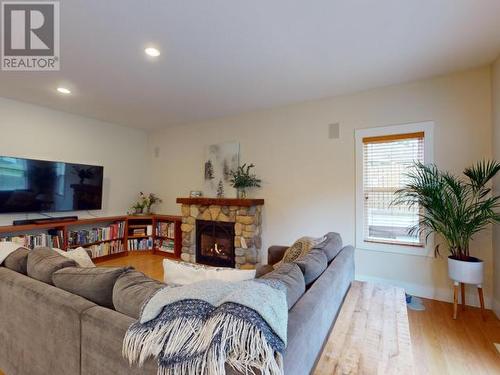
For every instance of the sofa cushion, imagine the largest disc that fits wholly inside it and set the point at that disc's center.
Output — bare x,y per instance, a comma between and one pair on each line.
131,290
18,261
331,245
312,265
95,284
262,269
291,275
43,262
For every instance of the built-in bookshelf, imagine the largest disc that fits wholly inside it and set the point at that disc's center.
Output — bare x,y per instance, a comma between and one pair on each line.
105,237
158,233
166,233
102,240
140,233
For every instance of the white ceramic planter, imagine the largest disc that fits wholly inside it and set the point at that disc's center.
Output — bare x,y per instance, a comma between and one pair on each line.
468,272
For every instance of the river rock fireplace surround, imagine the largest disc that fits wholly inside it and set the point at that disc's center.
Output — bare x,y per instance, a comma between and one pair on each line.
221,231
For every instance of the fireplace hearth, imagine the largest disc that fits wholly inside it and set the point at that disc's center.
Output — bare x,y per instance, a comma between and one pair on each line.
215,243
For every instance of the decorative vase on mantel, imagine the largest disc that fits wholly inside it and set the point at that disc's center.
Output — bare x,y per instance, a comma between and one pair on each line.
241,193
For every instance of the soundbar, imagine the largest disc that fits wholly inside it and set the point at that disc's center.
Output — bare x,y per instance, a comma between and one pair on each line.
45,220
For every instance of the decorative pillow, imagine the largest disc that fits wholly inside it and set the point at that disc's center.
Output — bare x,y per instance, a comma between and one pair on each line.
7,248
299,248
95,284
312,265
291,275
43,262
331,246
18,260
131,290
79,255
182,273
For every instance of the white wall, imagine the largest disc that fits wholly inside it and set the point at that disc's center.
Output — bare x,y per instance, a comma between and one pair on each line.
496,154
309,180
39,133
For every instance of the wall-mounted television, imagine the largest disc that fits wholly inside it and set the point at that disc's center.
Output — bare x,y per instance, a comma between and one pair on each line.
28,185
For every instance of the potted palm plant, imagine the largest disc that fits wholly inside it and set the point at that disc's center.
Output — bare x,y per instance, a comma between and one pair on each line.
454,208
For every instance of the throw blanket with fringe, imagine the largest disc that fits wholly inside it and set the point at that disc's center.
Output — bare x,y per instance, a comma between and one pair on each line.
198,328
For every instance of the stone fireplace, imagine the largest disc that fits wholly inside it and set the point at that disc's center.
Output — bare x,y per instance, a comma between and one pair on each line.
221,232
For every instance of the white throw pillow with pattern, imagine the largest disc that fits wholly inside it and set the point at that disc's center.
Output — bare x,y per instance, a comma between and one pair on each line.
299,248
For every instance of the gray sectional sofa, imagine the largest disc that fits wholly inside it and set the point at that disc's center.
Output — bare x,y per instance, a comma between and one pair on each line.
47,330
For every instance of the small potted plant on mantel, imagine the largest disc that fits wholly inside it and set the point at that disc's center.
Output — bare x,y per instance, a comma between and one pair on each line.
456,209
242,179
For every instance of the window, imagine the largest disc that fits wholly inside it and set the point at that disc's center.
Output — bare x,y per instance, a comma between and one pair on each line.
384,157
13,174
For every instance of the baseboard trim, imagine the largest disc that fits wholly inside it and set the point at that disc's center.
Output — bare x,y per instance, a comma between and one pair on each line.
439,294
496,307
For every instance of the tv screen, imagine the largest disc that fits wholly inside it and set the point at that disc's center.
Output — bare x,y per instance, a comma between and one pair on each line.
28,185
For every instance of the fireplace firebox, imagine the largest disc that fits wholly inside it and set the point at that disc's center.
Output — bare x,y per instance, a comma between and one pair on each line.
215,243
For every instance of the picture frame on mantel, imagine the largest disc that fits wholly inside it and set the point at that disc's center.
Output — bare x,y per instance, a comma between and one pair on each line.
220,160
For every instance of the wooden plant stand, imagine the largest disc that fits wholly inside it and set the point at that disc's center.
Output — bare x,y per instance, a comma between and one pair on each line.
456,284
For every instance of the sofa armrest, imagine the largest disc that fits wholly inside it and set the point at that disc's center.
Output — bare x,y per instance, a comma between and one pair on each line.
275,254
40,327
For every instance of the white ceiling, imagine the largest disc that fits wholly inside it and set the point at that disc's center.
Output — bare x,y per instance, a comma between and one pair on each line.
223,57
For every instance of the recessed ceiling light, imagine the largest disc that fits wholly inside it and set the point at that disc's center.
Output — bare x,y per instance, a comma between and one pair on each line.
63,90
150,51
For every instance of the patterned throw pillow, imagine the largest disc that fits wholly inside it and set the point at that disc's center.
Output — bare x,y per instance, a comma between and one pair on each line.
299,248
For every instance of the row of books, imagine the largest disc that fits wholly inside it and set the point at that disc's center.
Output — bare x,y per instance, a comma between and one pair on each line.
53,239
106,248
86,236
167,245
165,229
140,244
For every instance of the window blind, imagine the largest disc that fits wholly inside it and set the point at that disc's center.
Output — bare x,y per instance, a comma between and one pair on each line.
386,160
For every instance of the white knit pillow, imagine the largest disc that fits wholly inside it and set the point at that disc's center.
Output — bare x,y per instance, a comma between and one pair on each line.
79,255
183,273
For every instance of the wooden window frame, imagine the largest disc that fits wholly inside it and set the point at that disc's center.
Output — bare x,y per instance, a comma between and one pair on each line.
384,134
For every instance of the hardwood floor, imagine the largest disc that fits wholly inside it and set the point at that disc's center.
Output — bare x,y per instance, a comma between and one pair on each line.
150,264
441,345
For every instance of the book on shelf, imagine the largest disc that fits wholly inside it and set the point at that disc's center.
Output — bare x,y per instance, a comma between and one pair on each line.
138,232
140,244
166,245
53,238
87,236
106,248
165,229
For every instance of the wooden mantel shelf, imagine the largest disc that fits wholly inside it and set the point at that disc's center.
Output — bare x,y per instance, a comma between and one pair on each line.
221,201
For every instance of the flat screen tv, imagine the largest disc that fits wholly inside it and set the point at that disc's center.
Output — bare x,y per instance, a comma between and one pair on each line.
28,185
